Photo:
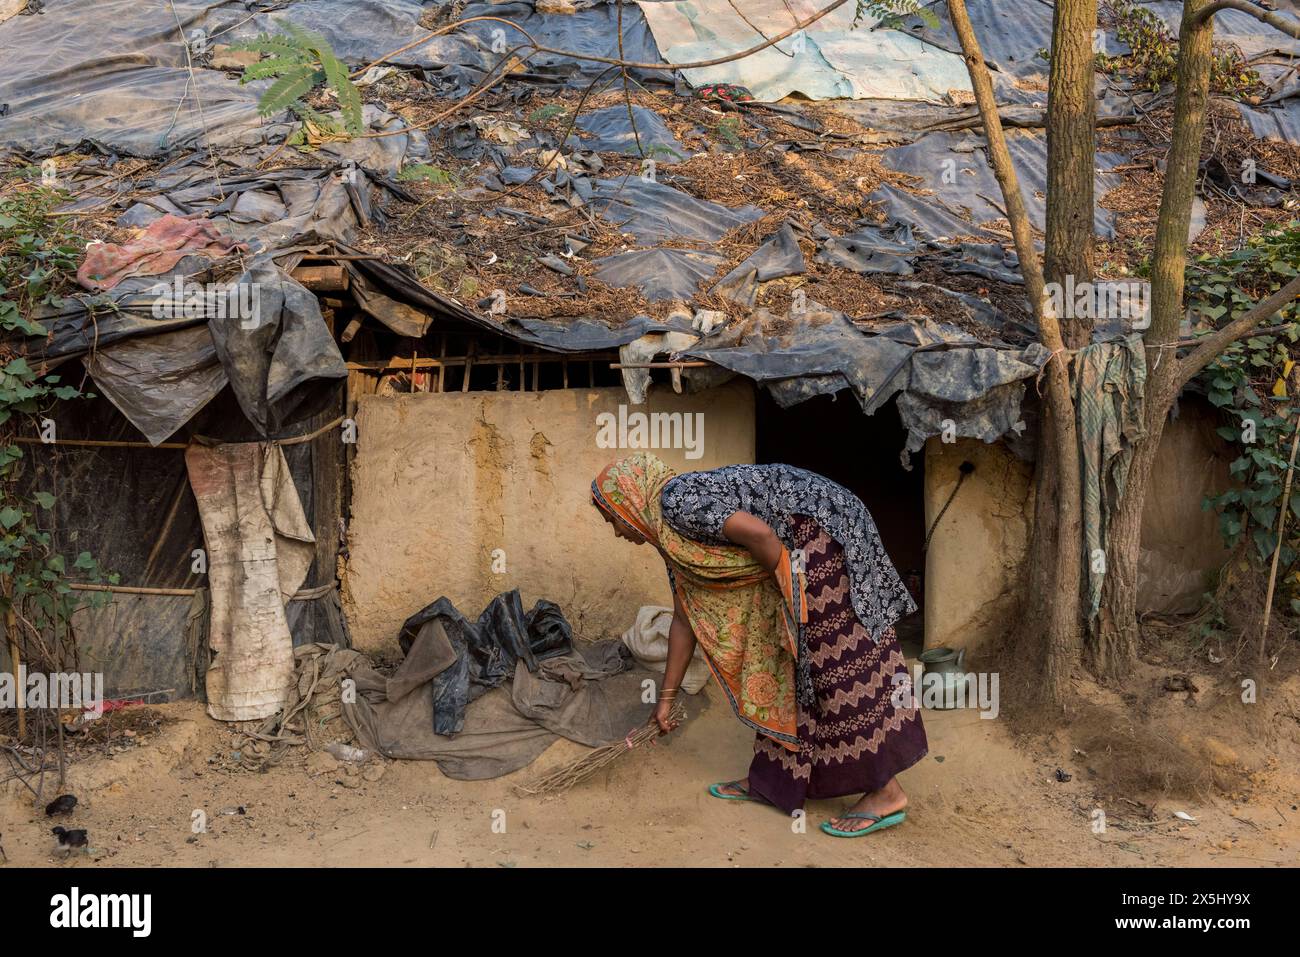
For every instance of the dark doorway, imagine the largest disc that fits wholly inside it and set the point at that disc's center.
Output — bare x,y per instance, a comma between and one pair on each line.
830,435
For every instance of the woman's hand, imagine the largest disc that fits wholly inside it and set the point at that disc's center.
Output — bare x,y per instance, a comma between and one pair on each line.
660,716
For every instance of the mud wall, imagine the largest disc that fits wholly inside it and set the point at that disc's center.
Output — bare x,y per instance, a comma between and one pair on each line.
973,566
1182,549
470,494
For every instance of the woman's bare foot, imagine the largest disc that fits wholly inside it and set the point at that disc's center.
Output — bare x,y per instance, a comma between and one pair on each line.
888,800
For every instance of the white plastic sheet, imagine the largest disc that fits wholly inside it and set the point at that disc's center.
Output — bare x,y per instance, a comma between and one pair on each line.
830,60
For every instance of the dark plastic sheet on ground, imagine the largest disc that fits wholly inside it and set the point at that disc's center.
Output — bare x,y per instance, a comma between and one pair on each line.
872,249
612,130
777,257
592,31
1279,121
654,212
928,216
589,694
481,654
1011,32
659,273
954,165
584,335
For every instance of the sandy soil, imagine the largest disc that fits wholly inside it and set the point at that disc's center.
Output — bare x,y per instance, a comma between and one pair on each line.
979,798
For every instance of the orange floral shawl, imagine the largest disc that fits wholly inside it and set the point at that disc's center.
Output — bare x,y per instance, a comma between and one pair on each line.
744,620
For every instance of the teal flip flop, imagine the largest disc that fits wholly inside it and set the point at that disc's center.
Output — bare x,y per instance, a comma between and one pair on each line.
715,790
889,820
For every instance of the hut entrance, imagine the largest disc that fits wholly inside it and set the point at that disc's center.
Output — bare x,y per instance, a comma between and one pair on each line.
830,435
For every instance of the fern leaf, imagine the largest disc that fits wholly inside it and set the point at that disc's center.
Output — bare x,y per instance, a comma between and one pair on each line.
278,46
265,69
288,89
308,39
336,74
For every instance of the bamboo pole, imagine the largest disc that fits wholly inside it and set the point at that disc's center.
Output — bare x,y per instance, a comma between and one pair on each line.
98,443
131,589
15,659
469,366
1281,526
659,365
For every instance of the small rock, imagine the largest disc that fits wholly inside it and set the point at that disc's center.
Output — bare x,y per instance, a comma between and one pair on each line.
373,772
224,58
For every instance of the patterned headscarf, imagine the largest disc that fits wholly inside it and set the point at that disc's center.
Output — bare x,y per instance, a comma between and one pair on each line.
747,627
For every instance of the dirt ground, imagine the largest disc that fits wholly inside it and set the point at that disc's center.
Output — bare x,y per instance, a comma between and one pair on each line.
982,797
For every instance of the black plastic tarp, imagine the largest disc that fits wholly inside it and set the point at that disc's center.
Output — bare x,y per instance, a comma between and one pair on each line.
939,368
485,650
653,212
955,167
642,133
659,273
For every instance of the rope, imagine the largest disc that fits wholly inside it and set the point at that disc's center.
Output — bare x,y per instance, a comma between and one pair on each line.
302,594
201,439
965,468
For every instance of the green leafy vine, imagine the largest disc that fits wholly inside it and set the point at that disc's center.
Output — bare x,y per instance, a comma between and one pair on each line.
38,256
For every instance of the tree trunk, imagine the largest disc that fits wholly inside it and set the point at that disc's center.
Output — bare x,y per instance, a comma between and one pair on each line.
1115,649
1056,543
1053,624
1071,155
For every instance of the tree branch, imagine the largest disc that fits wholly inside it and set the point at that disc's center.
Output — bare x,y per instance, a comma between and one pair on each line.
1005,171
1290,27
1213,344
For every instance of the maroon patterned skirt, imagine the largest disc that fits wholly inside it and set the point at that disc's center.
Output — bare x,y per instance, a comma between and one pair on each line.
852,738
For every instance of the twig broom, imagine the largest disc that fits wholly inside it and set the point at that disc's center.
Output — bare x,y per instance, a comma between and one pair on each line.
561,779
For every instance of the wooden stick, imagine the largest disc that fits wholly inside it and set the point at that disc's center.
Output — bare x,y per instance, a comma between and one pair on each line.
98,443
659,365
321,278
1281,527
469,366
15,660
451,362
132,589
